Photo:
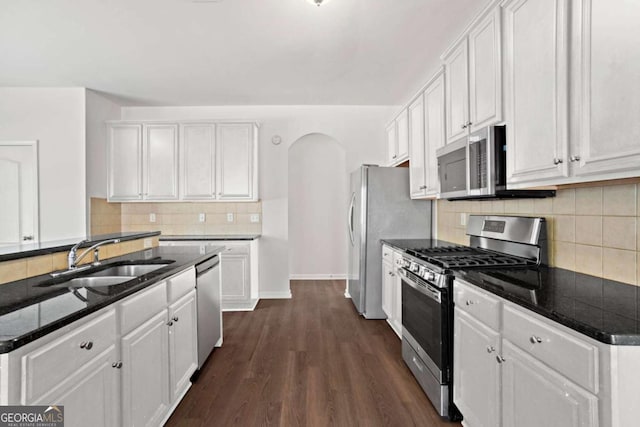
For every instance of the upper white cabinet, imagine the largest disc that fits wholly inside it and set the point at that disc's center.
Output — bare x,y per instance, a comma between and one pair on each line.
536,53
427,134
473,69
398,139
186,161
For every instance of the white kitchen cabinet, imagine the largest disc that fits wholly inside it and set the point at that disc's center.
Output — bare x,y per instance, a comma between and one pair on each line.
417,155
398,139
388,280
160,155
198,161
145,373
536,91
457,91
528,386
125,162
237,161
183,343
392,289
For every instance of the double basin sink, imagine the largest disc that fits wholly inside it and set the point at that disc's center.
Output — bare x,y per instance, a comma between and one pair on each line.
105,277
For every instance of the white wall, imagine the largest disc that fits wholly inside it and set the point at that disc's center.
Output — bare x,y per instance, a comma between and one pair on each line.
99,109
56,118
318,184
360,130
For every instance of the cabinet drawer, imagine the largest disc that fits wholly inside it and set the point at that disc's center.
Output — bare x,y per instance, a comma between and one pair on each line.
181,284
483,307
49,365
140,307
570,356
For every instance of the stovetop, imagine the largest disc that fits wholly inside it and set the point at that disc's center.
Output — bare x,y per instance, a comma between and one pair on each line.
453,257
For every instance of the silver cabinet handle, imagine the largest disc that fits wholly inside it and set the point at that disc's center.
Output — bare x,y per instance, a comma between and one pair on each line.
469,124
418,365
175,319
535,340
469,302
87,345
116,365
394,156
500,359
464,126
423,187
575,158
491,349
557,161
170,323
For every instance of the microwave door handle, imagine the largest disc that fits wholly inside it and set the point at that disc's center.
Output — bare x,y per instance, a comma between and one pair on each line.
468,170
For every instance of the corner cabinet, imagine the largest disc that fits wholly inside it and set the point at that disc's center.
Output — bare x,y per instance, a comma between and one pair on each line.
182,161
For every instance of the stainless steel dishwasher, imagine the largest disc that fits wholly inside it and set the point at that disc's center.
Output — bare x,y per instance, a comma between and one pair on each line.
208,295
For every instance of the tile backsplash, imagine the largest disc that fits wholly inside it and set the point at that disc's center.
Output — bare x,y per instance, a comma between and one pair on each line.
105,217
184,218
593,230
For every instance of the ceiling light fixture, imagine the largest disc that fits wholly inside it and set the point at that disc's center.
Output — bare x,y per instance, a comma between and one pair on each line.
318,2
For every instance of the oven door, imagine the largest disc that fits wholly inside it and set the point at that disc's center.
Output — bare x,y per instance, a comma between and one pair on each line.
424,322
452,169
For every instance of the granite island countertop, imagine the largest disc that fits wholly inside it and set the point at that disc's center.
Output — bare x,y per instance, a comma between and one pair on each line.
29,309
205,237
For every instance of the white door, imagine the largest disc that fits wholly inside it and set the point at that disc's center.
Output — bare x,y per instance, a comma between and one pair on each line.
476,373
183,343
434,131
392,143
417,171
485,72
607,94
536,58
457,86
235,161
534,395
18,192
145,373
236,285
125,162
198,159
402,125
161,162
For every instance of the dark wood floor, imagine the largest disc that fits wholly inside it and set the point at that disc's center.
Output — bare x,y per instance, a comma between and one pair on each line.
308,361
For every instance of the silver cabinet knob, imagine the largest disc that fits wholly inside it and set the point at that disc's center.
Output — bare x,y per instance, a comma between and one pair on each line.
116,365
469,124
557,161
87,345
175,319
575,158
423,187
491,349
170,323
464,126
394,156
500,359
469,302
535,340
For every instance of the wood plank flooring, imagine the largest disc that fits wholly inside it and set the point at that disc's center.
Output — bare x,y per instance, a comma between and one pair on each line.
308,361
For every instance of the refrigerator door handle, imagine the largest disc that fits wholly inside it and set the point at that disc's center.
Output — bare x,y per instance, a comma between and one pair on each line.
350,218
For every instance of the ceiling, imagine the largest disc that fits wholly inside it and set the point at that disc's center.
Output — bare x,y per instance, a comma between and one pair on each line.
230,52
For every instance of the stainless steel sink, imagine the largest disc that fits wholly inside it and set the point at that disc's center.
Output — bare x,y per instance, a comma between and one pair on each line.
93,282
127,270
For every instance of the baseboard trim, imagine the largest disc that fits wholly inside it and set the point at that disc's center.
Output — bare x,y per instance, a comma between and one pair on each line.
240,306
318,277
276,295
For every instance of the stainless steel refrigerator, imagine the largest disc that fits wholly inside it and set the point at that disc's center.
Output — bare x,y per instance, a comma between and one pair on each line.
380,208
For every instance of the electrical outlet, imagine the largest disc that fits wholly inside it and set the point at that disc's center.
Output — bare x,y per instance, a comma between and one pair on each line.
152,217
202,217
254,218
229,217
463,219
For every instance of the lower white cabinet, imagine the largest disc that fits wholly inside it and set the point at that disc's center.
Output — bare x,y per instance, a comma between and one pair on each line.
392,289
183,343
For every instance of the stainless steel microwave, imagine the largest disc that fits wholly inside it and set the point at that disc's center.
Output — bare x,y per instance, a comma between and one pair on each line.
475,167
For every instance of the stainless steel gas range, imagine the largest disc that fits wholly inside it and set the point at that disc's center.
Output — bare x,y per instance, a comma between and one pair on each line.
427,302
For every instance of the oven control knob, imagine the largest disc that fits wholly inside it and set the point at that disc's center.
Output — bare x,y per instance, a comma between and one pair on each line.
415,268
430,276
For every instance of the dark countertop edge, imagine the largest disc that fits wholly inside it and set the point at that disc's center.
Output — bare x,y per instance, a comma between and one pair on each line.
598,335
63,245
212,237
15,343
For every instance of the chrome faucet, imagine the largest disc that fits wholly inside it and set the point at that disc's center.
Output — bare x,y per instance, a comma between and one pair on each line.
73,259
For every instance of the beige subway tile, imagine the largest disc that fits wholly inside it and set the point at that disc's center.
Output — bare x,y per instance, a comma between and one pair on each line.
589,260
565,202
242,207
619,232
589,230
243,218
620,200
620,265
551,225
255,207
38,265
638,208
589,201
564,229
497,206
511,206
59,261
543,206
525,207
478,207
254,229
13,270
564,255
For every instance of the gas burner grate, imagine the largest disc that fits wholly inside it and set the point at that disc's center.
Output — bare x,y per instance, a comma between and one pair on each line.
464,256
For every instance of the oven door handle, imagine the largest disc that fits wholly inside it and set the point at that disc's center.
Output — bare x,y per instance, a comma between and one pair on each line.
426,289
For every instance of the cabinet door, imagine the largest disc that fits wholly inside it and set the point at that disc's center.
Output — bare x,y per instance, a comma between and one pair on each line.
235,161
161,162
534,395
198,159
392,143
145,373
607,101
457,86
387,289
183,343
536,90
476,373
417,171
236,285
397,302
402,124
89,396
434,131
485,72
125,162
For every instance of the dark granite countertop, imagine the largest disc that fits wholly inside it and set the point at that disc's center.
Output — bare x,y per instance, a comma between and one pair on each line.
43,248
605,310
406,244
29,309
210,237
